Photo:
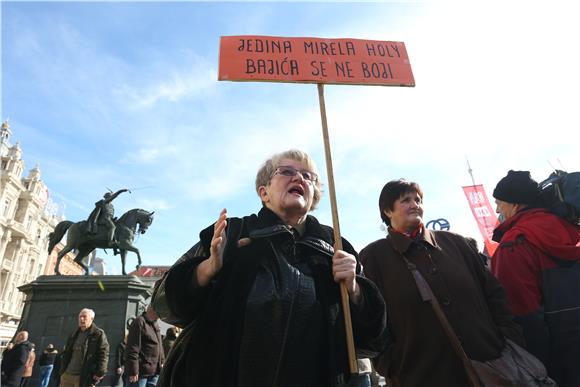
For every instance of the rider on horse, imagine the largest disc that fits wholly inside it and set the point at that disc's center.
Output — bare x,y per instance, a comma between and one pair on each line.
104,213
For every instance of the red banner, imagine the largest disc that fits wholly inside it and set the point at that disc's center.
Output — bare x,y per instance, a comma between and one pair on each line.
314,60
483,213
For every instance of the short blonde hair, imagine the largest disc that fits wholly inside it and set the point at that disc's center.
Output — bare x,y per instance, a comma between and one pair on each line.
267,170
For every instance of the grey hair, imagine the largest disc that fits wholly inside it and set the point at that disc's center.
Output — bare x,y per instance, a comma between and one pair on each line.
89,311
267,170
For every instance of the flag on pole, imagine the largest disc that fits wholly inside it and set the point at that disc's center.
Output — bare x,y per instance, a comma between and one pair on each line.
483,213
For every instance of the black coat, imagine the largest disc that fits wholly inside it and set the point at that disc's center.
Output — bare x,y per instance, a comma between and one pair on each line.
47,358
208,351
13,364
96,357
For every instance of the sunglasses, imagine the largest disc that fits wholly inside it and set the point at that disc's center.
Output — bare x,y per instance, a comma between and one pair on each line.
288,171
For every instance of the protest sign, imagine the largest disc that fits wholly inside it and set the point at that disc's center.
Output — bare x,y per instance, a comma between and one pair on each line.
483,213
314,60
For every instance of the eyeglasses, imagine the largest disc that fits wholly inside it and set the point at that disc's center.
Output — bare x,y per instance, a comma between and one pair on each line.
288,171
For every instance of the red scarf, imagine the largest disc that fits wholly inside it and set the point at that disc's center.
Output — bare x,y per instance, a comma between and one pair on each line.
417,233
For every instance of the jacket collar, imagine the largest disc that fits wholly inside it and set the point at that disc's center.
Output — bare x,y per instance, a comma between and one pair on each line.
315,235
402,243
267,224
90,330
502,228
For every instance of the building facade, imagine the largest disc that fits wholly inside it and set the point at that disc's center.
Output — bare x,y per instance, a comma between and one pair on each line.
25,224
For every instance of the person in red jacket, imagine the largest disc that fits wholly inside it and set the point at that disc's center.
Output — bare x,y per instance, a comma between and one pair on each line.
536,262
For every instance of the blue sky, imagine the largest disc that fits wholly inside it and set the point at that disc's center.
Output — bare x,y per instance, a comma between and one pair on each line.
125,95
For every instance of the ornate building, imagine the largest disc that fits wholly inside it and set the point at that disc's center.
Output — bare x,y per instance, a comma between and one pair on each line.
25,224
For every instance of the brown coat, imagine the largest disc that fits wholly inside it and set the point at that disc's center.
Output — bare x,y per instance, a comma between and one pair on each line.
473,300
29,364
144,351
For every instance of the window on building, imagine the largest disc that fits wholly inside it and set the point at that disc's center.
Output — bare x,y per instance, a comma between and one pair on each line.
28,222
3,282
6,209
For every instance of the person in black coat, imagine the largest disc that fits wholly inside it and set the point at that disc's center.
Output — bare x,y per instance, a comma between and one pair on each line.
46,364
260,296
14,360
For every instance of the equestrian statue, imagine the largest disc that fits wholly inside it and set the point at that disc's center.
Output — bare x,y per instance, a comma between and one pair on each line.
101,230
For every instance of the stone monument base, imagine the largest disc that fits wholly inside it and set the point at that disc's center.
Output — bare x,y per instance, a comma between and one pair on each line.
52,305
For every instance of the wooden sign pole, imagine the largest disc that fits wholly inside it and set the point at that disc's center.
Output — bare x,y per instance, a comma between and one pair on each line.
337,239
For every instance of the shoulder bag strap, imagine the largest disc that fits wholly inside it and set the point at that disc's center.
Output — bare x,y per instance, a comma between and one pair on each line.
427,295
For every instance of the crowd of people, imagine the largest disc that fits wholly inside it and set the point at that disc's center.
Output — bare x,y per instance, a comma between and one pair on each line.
259,300
84,359
273,298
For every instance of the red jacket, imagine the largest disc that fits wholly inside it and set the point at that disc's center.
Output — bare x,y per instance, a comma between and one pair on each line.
527,241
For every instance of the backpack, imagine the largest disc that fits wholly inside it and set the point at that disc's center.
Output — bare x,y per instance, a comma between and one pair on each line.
560,194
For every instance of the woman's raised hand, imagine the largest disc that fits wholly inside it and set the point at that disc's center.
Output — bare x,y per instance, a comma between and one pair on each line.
218,242
211,266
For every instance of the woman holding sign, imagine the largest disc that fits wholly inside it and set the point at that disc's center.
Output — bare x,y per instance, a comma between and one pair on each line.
259,296
473,301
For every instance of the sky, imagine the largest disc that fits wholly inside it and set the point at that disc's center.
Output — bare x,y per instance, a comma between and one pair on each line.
111,95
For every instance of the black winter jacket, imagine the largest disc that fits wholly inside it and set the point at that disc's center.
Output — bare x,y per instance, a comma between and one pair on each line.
96,356
13,364
210,349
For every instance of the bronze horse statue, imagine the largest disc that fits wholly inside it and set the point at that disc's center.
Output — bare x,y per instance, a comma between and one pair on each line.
78,238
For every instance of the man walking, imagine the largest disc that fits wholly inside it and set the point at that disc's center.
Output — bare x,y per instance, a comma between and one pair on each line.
144,353
86,355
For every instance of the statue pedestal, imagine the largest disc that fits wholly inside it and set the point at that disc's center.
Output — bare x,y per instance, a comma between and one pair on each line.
52,305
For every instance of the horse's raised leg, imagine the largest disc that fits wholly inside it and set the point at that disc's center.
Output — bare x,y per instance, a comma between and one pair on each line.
127,247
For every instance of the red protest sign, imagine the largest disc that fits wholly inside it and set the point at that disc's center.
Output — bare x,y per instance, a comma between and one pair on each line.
483,213
314,60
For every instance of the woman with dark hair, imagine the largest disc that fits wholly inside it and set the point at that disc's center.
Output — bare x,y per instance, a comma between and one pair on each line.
420,352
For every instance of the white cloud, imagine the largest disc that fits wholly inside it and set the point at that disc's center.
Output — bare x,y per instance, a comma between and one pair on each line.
175,86
153,204
151,154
